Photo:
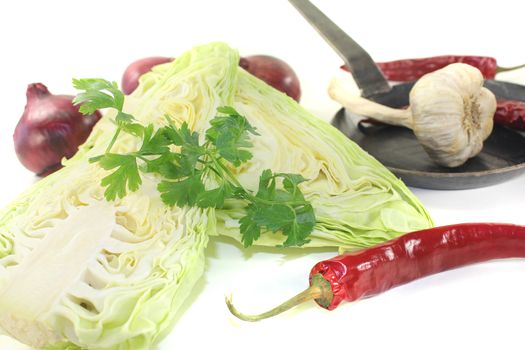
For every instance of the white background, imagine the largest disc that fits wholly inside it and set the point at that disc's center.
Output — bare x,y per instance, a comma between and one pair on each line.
477,307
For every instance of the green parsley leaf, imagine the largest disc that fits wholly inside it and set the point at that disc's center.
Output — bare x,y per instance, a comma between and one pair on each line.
276,210
266,185
98,94
250,230
274,217
227,110
300,227
191,150
182,192
290,181
295,222
291,186
125,177
182,136
215,198
229,134
157,142
132,128
123,118
170,165
173,165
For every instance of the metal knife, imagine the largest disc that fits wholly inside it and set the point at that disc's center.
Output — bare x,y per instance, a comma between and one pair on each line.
364,70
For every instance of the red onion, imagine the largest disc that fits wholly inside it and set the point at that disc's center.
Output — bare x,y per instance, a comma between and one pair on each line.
274,72
130,79
50,129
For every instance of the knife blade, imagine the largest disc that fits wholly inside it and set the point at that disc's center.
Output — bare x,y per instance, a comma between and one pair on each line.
398,97
364,70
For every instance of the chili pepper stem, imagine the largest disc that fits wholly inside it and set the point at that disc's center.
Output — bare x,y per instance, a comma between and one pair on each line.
319,290
506,69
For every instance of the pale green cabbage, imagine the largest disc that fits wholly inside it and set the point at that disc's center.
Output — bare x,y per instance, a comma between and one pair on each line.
78,272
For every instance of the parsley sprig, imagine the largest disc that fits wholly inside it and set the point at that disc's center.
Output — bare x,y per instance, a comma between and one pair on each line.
195,173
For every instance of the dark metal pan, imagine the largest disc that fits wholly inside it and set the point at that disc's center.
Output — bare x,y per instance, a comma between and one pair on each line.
502,157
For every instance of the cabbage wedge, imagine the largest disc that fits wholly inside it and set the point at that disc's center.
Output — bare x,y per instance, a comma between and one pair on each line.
80,272
357,201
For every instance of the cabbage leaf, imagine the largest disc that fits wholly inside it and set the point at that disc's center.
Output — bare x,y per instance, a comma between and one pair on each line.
78,271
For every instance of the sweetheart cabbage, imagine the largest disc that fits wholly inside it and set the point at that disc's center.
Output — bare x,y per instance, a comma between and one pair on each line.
77,271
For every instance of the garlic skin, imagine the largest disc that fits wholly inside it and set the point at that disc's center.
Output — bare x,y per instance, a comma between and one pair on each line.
452,113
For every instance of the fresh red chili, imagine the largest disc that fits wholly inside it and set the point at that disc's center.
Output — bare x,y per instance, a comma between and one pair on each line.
413,69
510,113
371,271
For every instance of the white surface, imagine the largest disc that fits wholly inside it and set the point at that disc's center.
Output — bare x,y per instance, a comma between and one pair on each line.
476,307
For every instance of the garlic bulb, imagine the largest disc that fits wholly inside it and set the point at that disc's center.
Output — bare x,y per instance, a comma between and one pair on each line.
450,112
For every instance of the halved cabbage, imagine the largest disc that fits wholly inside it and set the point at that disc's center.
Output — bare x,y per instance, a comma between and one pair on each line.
77,271
357,201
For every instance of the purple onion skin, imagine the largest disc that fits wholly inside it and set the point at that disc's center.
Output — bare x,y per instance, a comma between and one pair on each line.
274,72
130,78
50,129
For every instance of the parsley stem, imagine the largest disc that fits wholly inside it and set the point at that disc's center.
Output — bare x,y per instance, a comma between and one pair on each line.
270,202
139,156
148,153
214,170
113,140
226,171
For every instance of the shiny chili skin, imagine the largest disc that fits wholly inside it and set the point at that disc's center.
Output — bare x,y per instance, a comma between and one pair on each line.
510,113
368,272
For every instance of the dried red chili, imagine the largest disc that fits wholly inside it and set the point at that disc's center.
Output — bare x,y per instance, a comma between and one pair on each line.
510,113
413,69
368,272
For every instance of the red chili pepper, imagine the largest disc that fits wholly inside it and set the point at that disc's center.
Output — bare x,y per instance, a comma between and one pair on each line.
510,113
413,69
371,271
